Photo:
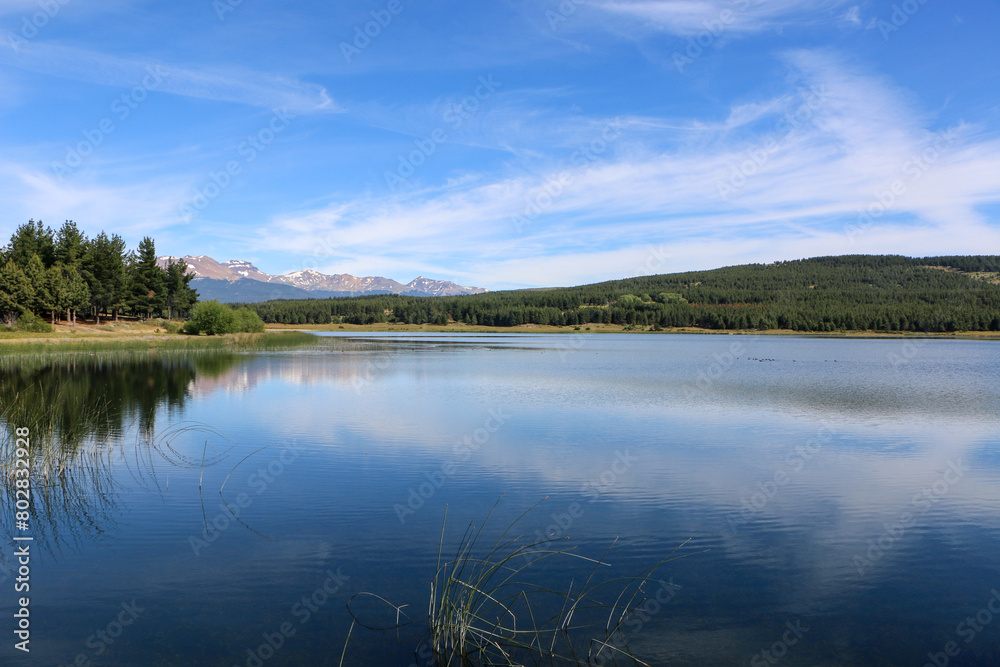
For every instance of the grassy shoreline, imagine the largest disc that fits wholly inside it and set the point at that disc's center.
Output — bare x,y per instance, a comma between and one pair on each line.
141,336
135,336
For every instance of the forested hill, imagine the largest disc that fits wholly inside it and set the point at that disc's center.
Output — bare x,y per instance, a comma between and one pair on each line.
851,292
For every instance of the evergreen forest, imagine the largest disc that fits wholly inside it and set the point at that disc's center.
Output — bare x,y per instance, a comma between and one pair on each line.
841,293
57,274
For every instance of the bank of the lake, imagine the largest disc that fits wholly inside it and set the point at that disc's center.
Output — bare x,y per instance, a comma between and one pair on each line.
127,335
462,328
137,336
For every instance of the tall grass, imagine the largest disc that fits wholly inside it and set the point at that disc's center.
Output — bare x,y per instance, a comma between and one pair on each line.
72,488
250,342
486,609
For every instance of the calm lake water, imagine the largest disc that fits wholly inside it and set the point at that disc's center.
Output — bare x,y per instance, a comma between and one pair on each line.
835,501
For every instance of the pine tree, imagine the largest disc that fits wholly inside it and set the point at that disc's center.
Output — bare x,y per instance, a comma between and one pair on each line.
41,298
181,297
78,294
70,245
15,291
58,289
147,281
32,238
104,270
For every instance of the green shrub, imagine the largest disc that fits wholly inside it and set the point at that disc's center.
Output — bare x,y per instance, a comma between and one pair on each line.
213,318
670,297
28,321
247,321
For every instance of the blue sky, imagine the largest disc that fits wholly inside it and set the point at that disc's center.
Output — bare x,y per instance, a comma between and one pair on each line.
507,143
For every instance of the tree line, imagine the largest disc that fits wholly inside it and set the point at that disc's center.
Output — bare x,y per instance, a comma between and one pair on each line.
58,274
851,292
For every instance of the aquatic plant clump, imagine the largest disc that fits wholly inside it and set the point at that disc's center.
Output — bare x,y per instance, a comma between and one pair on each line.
487,608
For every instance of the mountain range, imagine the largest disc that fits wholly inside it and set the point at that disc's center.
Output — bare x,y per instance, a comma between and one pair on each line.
241,281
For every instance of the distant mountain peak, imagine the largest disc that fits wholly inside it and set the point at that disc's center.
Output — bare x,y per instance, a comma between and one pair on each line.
311,280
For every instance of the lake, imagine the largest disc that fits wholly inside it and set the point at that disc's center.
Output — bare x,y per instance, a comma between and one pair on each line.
822,501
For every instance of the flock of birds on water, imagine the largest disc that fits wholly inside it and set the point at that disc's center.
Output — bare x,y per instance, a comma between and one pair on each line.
793,360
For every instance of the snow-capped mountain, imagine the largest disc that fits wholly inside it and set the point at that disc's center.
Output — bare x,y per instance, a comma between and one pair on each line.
314,283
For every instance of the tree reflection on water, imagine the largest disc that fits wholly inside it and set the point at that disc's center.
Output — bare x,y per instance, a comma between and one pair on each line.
91,415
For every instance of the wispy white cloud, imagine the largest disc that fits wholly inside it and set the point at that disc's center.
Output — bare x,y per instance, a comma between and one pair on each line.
825,150
229,84
690,17
130,209
779,176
